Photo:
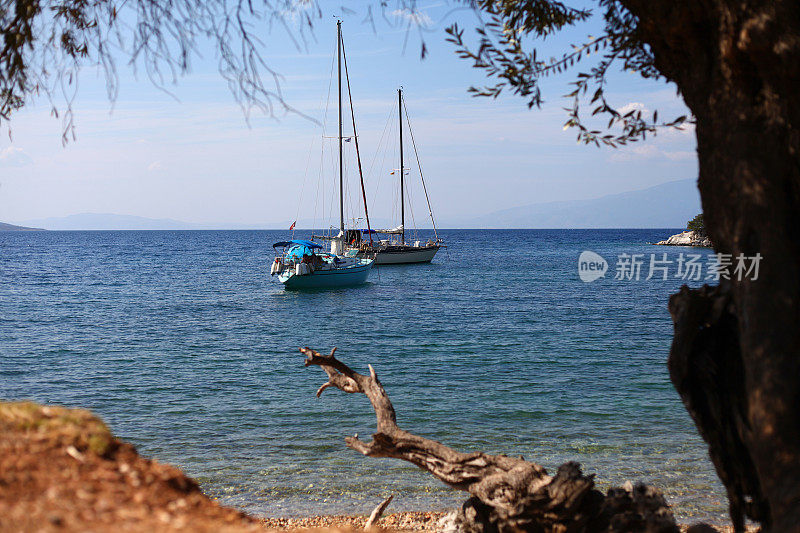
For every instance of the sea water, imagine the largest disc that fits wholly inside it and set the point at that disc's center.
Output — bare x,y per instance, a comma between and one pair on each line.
187,348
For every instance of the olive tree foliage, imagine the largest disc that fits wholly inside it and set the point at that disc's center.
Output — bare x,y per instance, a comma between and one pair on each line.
46,43
697,225
506,52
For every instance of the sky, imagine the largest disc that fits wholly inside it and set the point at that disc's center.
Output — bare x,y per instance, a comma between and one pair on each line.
192,155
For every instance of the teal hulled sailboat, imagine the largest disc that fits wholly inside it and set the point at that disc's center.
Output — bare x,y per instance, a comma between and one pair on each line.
303,264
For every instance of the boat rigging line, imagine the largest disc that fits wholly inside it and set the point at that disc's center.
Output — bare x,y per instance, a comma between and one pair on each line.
414,144
355,138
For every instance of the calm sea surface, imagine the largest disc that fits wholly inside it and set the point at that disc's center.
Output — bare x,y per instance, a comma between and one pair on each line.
187,348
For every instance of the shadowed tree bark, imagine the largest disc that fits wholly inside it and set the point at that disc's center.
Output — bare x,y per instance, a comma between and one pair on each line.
735,357
507,493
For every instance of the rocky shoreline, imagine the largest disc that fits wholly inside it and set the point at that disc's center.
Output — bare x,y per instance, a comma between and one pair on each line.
407,522
687,238
402,522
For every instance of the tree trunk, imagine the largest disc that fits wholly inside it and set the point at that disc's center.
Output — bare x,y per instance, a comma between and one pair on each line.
735,358
508,494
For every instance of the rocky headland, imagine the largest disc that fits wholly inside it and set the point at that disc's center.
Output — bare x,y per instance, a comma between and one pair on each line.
687,238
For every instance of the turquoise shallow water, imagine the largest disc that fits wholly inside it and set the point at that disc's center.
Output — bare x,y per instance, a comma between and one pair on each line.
187,348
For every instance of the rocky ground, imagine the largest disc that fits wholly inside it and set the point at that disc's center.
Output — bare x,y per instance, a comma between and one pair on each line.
62,470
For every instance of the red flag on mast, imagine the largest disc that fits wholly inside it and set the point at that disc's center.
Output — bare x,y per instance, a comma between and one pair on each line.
292,226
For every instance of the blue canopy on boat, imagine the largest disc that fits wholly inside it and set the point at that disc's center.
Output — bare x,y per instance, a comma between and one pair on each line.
297,248
299,242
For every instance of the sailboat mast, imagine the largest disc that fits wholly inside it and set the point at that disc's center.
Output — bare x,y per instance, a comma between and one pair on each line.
341,163
402,199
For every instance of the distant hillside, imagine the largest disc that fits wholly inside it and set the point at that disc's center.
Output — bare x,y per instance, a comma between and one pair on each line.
12,227
669,205
107,221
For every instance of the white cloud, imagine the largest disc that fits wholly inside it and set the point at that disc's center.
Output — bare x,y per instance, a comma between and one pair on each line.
680,156
645,150
649,151
633,106
14,157
413,16
155,165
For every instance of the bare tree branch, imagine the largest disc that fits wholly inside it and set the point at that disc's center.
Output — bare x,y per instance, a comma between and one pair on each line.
47,43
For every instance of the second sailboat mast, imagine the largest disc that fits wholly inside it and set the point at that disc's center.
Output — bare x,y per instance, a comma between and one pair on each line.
402,199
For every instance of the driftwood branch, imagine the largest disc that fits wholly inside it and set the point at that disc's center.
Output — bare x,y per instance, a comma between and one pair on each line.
378,512
508,494
497,479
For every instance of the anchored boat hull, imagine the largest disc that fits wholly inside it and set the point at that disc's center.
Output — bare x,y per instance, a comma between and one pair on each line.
324,279
406,255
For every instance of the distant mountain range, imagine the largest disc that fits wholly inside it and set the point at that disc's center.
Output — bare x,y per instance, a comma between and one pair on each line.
669,205
12,227
108,221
